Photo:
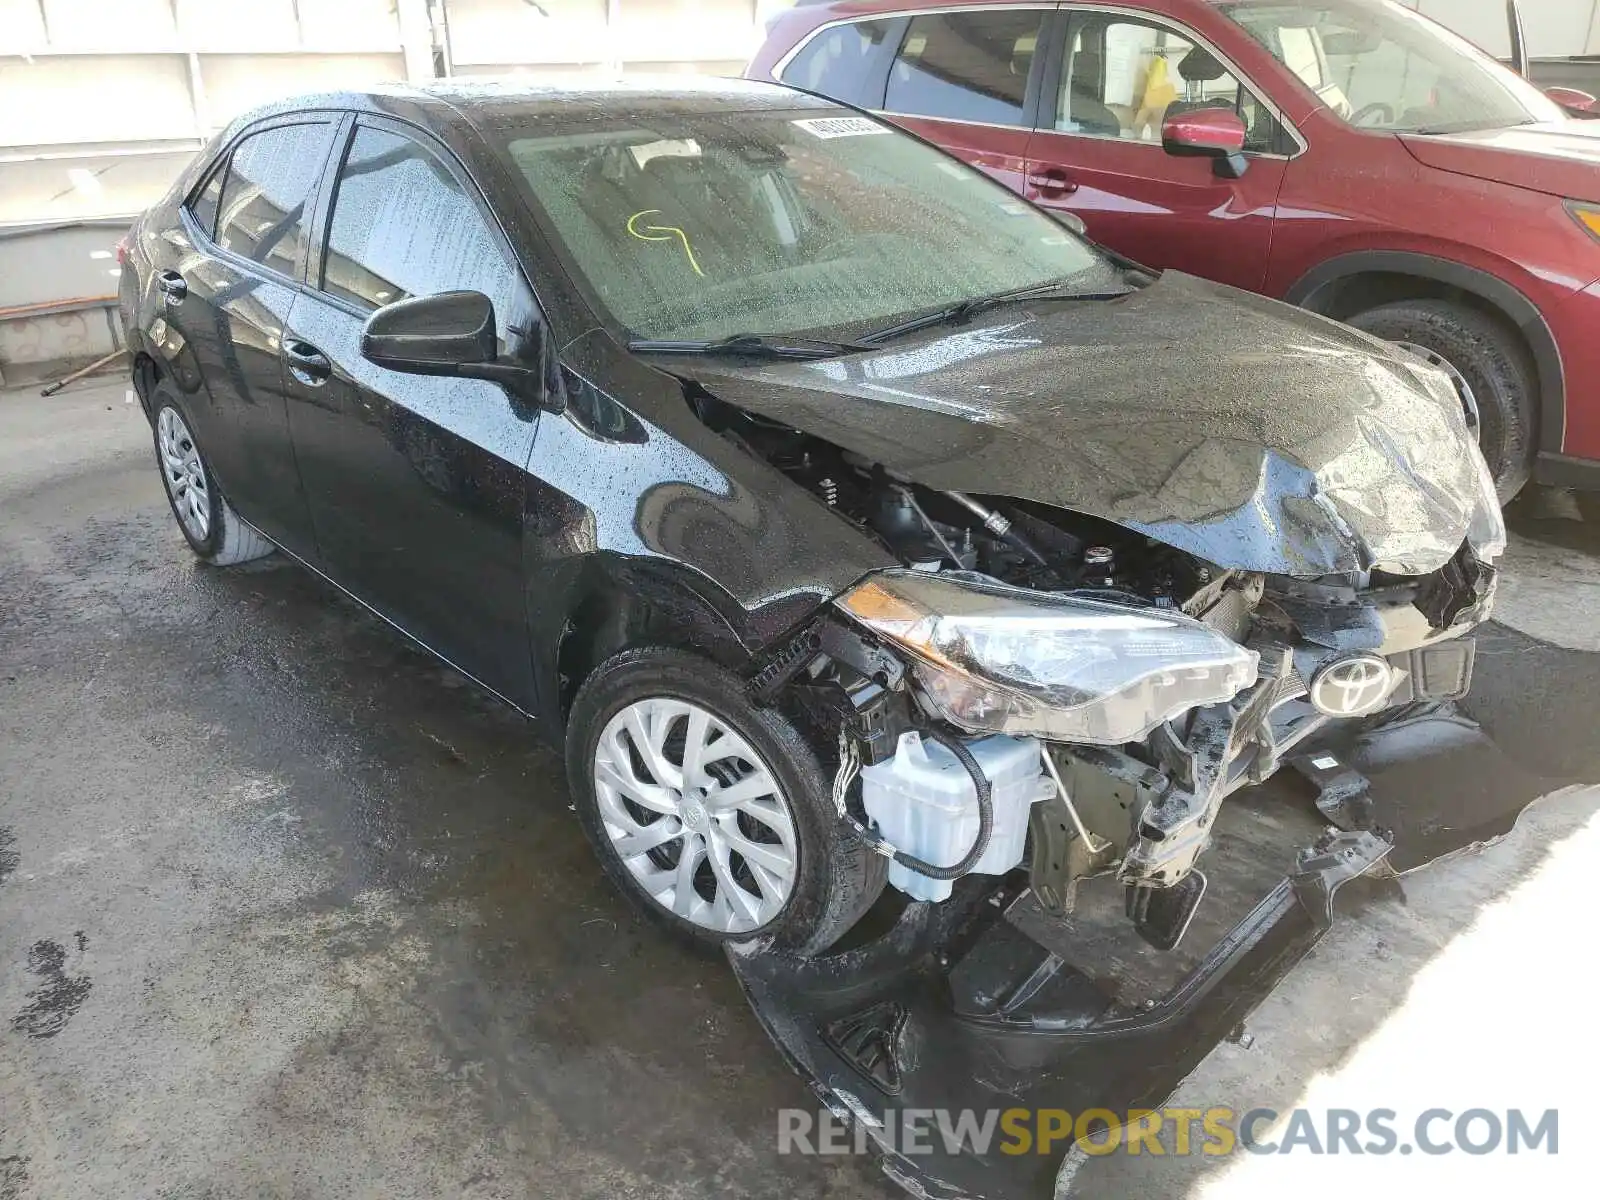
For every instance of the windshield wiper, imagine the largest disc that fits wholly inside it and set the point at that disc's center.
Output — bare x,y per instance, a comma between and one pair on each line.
963,310
748,345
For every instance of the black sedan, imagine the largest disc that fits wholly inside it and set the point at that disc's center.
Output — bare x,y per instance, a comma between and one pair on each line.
848,519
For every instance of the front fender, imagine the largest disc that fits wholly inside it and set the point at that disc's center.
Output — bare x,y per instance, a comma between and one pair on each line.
635,506
1316,287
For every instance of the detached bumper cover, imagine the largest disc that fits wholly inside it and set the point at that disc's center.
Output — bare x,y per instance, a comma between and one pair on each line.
956,1008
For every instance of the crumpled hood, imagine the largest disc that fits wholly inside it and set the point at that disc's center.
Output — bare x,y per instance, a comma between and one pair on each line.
1249,433
1561,158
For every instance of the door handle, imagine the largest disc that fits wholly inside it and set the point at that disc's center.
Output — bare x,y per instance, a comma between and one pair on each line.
306,363
172,285
1052,181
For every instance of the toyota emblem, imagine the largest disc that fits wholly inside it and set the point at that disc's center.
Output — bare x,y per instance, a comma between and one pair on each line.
1352,687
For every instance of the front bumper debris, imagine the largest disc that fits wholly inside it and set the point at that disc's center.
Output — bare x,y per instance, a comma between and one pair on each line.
957,1008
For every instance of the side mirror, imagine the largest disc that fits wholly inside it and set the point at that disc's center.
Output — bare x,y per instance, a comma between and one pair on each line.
454,333
447,334
1215,133
1572,99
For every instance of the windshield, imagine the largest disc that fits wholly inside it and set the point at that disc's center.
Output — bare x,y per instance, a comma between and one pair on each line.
706,225
1379,65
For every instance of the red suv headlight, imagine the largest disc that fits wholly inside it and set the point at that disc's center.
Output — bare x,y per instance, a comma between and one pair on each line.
1587,215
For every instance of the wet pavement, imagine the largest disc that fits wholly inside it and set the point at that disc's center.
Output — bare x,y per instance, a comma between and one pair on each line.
288,909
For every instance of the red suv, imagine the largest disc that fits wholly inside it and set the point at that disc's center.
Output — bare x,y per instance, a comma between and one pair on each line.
1349,156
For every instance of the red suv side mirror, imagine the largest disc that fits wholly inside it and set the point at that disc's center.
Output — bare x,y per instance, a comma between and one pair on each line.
1215,133
1572,99
1203,133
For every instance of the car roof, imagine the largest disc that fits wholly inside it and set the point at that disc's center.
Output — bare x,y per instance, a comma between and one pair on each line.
486,104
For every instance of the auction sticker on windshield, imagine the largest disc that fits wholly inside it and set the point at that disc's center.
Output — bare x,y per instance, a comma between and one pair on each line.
838,127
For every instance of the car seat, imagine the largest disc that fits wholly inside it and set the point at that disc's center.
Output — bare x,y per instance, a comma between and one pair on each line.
1087,112
1200,66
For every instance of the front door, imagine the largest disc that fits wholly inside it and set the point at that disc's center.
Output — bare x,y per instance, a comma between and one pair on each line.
415,482
1112,81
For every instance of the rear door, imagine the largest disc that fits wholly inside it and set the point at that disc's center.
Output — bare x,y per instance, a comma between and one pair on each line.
1111,80
968,81
416,483
228,298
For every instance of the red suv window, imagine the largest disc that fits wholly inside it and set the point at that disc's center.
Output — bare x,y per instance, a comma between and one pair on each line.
966,66
835,62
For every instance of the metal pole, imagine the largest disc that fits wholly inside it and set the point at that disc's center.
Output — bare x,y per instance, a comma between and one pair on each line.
81,372
1519,39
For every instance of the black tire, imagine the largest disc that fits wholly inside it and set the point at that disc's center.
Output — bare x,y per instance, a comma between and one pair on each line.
1494,362
228,539
837,877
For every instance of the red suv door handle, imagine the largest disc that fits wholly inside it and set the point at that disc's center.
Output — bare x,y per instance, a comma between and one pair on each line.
1052,180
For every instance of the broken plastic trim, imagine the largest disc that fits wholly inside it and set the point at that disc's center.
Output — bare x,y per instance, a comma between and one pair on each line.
956,1008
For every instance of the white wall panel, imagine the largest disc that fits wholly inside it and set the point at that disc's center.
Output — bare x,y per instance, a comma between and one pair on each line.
349,24
68,189
242,25
1555,28
513,31
728,67
86,98
237,82
38,347
584,71
23,26
95,25
686,30
57,265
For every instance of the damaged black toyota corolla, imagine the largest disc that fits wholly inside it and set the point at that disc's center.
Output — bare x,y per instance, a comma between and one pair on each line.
850,521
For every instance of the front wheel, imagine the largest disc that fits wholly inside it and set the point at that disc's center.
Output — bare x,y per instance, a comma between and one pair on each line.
1488,364
712,815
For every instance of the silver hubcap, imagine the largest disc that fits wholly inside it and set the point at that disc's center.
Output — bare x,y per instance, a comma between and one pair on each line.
185,474
695,815
1469,401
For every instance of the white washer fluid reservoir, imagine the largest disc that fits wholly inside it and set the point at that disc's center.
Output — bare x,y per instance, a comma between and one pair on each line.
924,802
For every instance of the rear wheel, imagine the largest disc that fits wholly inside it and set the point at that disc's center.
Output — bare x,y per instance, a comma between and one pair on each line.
213,530
712,815
1489,366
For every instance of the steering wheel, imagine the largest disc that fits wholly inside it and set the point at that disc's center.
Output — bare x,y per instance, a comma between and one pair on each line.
1368,111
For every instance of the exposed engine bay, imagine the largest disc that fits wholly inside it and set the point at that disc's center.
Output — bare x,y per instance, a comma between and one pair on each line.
1099,768
1015,542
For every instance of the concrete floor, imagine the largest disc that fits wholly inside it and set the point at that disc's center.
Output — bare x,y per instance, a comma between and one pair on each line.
287,909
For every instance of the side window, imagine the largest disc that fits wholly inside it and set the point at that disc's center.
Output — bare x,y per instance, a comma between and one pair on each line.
1121,78
264,207
203,206
969,66
402,226
835,61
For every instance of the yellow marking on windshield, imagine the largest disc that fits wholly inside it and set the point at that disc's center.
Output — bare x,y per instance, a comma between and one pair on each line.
662,233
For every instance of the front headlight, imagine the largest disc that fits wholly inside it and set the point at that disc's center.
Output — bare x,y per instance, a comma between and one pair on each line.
998,659
1487,532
